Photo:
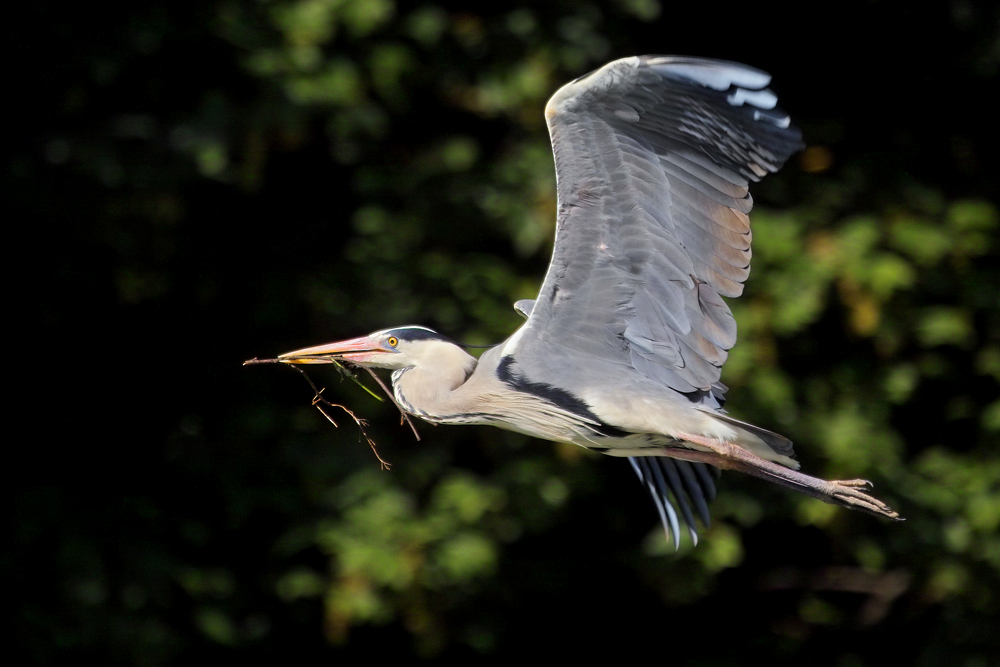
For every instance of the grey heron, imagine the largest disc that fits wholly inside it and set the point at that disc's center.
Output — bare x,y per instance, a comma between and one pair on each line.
622,350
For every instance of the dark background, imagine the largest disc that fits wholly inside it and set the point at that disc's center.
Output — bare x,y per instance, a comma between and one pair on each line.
191,184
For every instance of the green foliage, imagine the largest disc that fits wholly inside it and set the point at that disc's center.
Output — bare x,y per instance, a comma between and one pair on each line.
387,552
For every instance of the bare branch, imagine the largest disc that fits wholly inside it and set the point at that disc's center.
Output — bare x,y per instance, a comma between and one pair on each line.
392,397
319,401
255,361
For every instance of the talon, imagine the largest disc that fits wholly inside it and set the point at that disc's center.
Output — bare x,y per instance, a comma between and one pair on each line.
849,492
853,483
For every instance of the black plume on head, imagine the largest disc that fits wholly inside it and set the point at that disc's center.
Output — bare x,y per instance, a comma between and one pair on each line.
410,334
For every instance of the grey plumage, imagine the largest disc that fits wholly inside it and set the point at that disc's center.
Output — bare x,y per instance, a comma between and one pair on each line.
621,351
653,161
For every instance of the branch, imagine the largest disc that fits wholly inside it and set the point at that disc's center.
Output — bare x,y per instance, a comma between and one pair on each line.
392,397
319,401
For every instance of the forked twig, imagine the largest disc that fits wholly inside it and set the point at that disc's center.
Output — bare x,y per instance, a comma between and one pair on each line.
392,397
319,401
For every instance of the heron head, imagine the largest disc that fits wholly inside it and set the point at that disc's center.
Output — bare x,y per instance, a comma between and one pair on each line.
401,347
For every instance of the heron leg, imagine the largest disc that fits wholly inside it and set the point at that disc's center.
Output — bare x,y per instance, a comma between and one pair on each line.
728,456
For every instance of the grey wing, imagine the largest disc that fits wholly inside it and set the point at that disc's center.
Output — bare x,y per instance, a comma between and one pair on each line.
653,157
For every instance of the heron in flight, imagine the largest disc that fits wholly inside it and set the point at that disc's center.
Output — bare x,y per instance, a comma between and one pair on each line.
622,350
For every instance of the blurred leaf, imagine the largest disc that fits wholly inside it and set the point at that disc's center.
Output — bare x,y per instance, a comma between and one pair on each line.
945,326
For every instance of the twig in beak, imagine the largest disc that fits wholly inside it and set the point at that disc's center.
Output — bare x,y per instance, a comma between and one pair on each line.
402,412
319,402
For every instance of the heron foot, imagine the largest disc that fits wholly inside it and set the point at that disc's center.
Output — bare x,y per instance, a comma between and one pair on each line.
847,492
853,483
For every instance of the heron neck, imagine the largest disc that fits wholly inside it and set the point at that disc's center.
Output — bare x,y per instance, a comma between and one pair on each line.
434,391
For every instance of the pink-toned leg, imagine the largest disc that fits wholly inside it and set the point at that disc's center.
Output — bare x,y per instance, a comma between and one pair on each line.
729,456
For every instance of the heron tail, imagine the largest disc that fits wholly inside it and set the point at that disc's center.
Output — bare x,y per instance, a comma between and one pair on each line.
765,444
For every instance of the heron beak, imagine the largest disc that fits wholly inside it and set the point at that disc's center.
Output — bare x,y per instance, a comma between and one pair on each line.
356,350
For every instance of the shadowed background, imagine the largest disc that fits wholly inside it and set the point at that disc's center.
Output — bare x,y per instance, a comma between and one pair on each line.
195,184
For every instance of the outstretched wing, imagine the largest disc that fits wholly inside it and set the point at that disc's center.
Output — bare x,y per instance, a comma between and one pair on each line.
653,157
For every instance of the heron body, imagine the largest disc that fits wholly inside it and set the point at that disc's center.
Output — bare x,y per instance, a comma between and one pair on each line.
622,350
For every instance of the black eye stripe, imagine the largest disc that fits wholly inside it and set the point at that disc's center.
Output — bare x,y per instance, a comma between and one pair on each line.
410,334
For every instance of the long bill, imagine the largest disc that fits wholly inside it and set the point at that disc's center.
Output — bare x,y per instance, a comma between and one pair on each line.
355,350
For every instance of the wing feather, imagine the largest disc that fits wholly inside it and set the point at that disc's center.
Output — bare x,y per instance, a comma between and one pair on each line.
654,159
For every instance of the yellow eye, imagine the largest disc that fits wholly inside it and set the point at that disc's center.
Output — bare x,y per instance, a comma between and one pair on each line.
393,341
